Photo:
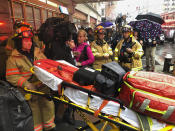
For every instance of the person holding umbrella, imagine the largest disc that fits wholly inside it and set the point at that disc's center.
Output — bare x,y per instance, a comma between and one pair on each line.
151,29
128,51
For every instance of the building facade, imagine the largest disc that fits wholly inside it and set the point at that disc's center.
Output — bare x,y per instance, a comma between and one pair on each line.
35,12
169,6
87,15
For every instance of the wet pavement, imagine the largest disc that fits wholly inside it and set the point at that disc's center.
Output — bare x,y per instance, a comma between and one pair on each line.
163,49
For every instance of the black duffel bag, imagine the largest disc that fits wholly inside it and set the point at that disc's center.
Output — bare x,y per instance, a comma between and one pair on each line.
15,113
109,80
85,76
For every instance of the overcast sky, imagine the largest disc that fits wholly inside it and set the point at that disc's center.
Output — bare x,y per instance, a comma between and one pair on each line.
125,6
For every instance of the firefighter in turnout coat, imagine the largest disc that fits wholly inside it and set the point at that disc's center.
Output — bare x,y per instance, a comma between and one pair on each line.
101,50
128,51
18,74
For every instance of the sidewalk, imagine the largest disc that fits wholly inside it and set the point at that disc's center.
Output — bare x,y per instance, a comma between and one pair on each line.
158,66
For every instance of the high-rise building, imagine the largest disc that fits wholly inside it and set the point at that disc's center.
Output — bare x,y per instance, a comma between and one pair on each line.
169,5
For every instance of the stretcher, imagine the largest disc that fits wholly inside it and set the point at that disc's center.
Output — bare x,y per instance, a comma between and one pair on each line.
113,113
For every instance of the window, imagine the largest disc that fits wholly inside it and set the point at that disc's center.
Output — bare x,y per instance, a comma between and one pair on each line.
32,14
49,14
167,17
45,15
37,15
102,12
54,14
18,11
29,15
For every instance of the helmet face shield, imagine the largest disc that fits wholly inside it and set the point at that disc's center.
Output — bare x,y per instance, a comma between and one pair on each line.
27,34
24,32
101,31
127,28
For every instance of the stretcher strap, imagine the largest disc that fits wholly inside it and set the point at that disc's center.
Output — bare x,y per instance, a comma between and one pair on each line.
88,102
104,103
120,110
145,124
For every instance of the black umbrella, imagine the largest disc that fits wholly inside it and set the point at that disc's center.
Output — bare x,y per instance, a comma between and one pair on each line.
152,17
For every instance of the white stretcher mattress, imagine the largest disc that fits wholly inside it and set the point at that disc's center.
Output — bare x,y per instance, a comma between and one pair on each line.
81,98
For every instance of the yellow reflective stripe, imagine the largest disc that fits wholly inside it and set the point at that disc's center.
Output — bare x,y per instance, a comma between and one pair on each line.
110,52
110,48
167,128
148,93
150,122
93,50
95,54
98,69
139,51
137,68
131,103
116,58
116,50
106,54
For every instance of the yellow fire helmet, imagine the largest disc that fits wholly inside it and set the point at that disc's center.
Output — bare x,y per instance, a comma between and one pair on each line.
99,29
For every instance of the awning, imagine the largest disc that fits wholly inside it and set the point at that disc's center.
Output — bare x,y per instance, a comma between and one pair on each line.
91,1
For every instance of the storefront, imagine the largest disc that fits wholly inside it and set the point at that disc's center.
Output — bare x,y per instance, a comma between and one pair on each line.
37,11
80,18
93,22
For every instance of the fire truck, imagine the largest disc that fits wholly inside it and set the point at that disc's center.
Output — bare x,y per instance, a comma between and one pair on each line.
169,25
34,12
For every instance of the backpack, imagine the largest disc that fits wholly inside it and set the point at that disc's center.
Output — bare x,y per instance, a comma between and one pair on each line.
110,79
15,113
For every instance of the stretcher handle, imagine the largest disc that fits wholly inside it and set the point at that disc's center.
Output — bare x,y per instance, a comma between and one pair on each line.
48,96
93,93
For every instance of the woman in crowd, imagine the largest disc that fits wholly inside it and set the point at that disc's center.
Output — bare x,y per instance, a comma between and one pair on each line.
82,51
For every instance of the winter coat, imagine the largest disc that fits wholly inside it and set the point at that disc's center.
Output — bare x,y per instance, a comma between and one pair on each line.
84,61
135,61
99,52
18,68
18,73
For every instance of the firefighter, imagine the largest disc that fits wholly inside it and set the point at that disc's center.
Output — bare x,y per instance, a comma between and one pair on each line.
18,74
10,42
100,49
128,51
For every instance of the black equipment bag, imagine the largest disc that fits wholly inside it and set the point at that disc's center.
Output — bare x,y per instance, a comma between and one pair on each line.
85,76
15,113
109,80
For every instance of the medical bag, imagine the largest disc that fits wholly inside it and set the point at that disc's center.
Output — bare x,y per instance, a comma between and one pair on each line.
150,93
